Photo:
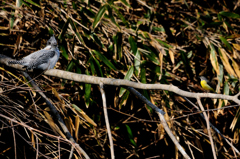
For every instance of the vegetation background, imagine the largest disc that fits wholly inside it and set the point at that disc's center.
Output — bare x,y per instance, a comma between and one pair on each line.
167,42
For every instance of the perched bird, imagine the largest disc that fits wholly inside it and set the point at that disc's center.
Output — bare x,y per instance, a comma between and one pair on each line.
44,59
206,84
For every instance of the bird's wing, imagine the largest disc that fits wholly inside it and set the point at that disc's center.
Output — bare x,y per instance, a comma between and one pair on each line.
42,58
39,54
35,55
209,83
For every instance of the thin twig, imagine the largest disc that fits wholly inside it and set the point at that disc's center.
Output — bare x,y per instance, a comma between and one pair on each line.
214,128
145,100
107,120
208,128
162,119
55,114
170,134
14,139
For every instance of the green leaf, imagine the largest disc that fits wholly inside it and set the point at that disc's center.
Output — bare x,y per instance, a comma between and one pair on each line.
97,40
99,15
12,19
226,88
50,31
220,77
104,59
92,67
130,136
98,66
143,74
88,12
152,56
127,77
33,3
186,63
129,73
124,99
74,5
111,16
133,45
120,16
64,29
70,66
164,43
144,80
137,63
226,43
87,92
118,44
64,52
137,58
160,29
230,14
76,31
212,24
126,3
78,70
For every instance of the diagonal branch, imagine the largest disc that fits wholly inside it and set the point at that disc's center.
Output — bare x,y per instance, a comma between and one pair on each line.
55,114
213,127
162,119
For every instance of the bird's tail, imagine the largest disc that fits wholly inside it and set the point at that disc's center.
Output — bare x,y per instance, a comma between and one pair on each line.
16,62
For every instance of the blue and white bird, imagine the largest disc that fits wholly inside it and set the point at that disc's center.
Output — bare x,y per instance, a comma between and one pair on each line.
44,59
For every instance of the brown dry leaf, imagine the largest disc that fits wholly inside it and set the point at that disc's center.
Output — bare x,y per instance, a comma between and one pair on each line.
171,54
214,61
220,111
225,61
236,46
77,123
234,122
54,127
33,139
82,114
225,26
69,124
17,44
161,65
10,73
152,99
156,45
161,131
85,116
76,157
236,49
235,54
54,91
166,116
62,104
236,67
236,136
116,100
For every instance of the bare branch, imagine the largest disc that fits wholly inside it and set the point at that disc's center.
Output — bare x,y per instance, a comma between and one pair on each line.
208,127
162,119
121,82
55,114
107,120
